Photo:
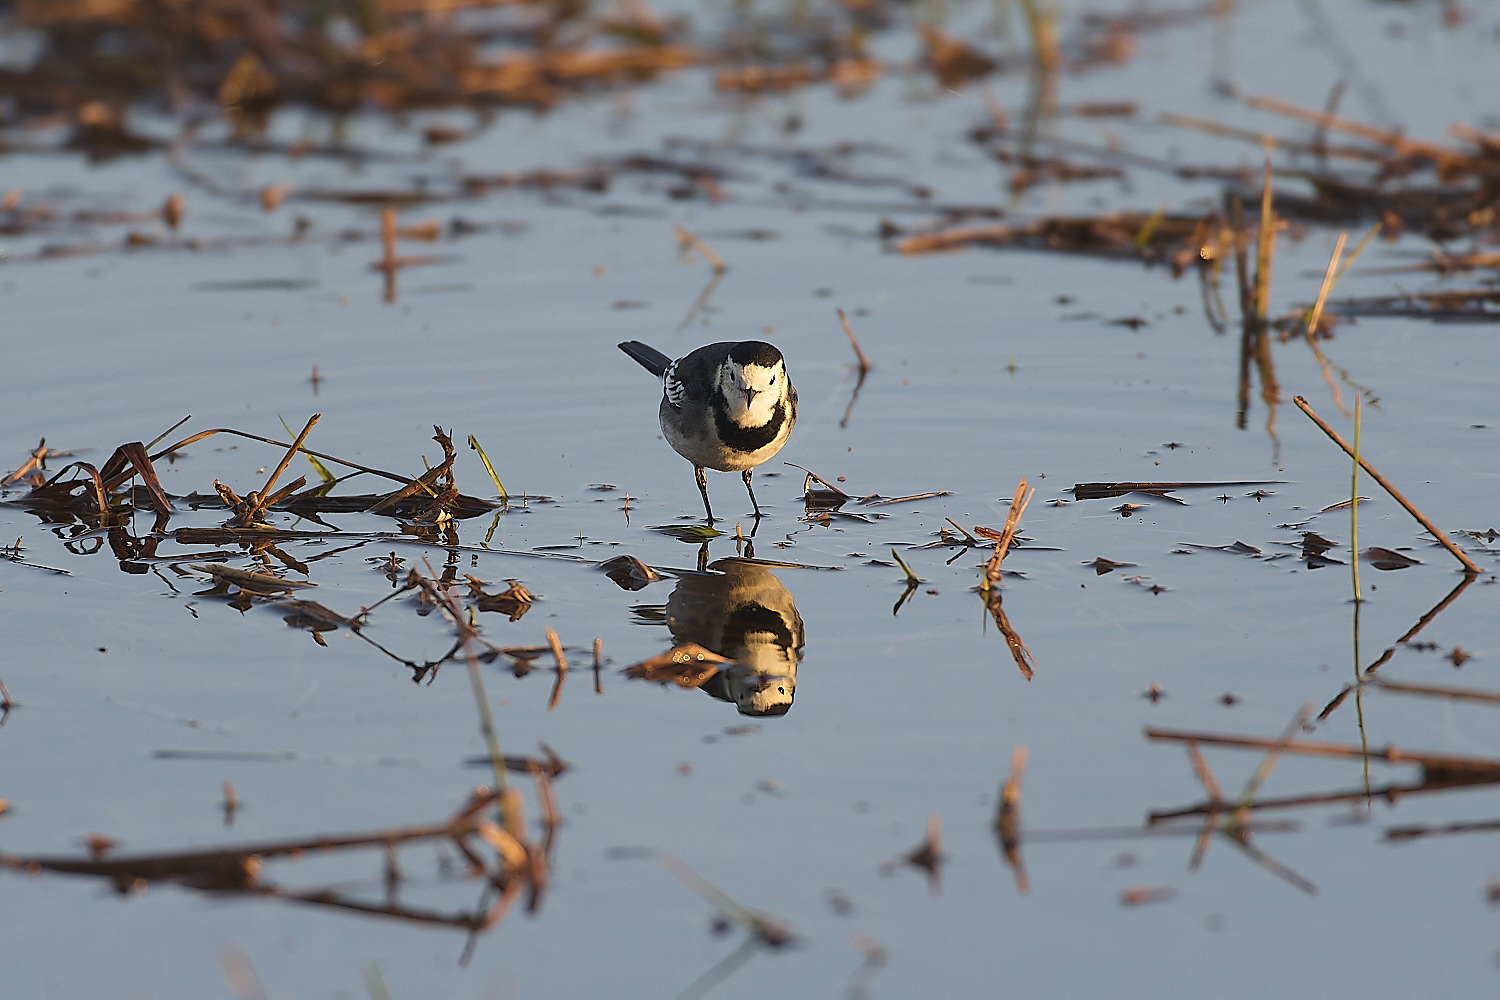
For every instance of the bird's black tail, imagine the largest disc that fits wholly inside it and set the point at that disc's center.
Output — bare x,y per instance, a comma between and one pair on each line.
650,358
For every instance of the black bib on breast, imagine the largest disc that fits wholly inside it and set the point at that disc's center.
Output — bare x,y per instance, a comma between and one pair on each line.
746,439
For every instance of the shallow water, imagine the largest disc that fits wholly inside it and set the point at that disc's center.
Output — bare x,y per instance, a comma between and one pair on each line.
989,366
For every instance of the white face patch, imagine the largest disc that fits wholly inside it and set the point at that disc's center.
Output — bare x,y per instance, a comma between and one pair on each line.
752,391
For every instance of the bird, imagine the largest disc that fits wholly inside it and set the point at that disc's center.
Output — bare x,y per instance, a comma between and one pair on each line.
728,406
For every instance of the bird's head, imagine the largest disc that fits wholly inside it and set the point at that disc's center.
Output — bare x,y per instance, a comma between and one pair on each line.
753,381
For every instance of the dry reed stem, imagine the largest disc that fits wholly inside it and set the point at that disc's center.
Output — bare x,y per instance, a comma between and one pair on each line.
1436,691
1432,529
555,645
1211,127
989,586
388,263
1316,314
1041,22
172,210
968,537
1435,763
1390,793
1265,247
688,240
953,239
199,436
187,864
230,804
1398,143
34,460
1008,533
821,480
290,453
864,362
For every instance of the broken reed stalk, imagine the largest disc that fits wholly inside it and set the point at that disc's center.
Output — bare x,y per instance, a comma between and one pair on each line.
1247,308
1398,143
195,438
290,454
1359,248
187,864
249,511
864,362
555,644
1320,134
388,237
1354,511
911,577
1149,227
1265,249
474,444
1315,315
814,476
1041,23
1007,535
1432,529
33,461
688,240
968,537
1441,763
1435,691
157,440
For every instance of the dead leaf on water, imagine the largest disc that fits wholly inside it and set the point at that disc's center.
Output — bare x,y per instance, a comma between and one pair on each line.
688,665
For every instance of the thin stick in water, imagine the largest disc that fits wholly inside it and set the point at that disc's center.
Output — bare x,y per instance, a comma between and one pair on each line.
1432,529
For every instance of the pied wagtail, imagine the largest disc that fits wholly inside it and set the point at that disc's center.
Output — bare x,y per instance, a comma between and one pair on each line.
727,406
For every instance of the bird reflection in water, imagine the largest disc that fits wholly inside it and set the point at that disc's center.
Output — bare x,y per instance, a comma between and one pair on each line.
741,611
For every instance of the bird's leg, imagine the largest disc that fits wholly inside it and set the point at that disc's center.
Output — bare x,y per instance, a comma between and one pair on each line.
703,488
751,489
